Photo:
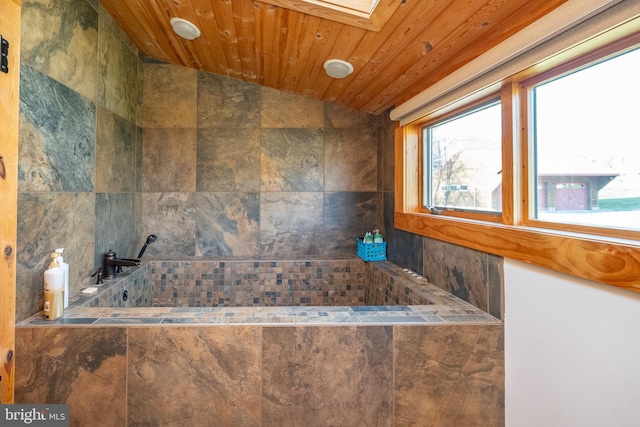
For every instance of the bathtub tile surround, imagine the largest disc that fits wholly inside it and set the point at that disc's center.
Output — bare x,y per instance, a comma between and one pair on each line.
82,367
44,223
288,366
291,224
222,367
227,224
359,391
172,217
350,162
228,160
79,142
344,212
440,363
113,212
428,358
232,283
291,154
137,282
169,161
265,375
116,146
471,275
348,291
291,160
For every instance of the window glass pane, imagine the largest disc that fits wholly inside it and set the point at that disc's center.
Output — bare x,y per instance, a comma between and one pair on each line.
463,160
587,145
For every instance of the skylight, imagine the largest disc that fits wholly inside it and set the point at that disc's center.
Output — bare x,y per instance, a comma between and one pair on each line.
367,14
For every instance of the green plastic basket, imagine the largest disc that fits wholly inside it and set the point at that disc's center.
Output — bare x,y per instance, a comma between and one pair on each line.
372,251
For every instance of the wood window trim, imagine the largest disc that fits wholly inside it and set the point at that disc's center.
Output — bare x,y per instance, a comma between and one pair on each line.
609,260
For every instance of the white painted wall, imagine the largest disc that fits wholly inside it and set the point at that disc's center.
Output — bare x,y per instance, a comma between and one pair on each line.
572,351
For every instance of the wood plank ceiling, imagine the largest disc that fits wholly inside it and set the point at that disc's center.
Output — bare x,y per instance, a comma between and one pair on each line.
283,48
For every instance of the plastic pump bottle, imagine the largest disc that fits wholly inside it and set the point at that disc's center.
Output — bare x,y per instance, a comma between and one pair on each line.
53,290
65,268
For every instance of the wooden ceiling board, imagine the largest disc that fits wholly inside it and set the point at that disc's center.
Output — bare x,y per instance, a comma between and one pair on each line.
430,71
375,57
285,49
449,42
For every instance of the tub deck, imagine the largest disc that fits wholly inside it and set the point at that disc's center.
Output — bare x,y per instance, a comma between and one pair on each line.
371,315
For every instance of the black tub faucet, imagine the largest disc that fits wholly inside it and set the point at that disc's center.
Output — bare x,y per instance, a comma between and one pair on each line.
111,265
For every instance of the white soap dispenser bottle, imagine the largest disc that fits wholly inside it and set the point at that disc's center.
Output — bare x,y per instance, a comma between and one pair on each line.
53,290
65,268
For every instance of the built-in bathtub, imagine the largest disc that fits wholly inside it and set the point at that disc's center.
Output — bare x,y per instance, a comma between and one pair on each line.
267,342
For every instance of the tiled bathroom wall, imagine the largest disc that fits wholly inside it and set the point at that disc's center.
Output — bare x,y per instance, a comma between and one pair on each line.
113,148
79,143
234,169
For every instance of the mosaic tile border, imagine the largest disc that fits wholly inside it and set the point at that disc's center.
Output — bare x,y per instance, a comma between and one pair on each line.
389,283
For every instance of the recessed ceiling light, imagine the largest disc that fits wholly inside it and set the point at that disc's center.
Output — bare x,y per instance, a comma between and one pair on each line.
185,29
337,68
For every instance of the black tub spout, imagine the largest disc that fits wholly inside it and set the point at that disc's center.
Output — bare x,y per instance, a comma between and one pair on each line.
111,265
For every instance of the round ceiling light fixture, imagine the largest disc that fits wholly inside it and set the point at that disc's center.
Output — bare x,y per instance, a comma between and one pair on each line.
185,29
337,68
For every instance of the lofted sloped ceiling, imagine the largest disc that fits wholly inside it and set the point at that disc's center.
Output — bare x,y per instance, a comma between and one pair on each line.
398,50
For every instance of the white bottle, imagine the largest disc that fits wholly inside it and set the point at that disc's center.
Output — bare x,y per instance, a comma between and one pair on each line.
53,290
65,267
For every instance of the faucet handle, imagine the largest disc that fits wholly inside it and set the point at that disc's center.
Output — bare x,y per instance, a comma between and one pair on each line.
98,273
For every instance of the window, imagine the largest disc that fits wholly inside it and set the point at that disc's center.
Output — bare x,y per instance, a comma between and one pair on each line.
463,149
585,138
567,164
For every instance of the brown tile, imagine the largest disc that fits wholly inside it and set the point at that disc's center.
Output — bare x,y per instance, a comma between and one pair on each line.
61,40
169,96
82,367
291,224
459,270
44,221
117,87
291,160
338,116
228,224
350,160
115,153
224,102
449,375
218,368
327,376
171,217
285,110
169,160
228,160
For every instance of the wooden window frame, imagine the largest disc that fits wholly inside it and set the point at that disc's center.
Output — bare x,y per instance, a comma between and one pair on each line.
435,119
603,255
